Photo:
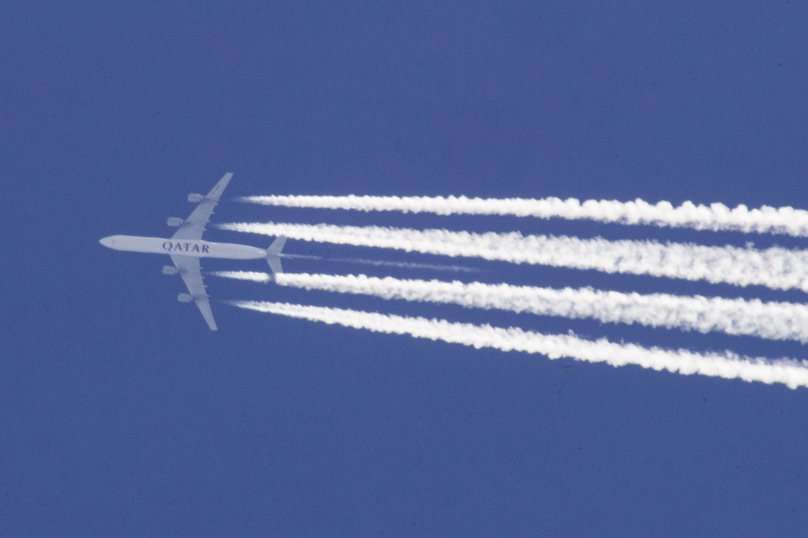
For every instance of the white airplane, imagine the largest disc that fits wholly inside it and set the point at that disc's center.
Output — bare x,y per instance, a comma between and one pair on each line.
186,247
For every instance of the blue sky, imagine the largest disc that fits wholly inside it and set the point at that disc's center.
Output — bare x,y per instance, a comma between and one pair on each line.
121,415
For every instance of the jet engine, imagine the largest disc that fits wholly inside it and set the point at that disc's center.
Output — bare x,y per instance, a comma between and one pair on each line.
195,198
174,221
184,298
169,270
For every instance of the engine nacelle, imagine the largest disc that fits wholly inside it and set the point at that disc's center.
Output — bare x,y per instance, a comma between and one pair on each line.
195,198
169,270
174,221
184,298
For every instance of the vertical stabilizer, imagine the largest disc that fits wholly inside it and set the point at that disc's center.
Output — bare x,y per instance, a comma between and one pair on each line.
274,254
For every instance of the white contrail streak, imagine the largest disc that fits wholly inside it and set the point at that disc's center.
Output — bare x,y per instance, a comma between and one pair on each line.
776,267
783,220
727,365
252,276
384,263
770,320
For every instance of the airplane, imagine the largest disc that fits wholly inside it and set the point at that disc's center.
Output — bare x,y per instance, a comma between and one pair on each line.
186,248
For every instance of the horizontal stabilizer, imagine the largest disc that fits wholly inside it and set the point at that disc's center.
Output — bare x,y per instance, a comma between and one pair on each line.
277,246
274,254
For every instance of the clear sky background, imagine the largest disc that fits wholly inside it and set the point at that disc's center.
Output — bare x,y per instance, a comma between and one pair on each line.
122,415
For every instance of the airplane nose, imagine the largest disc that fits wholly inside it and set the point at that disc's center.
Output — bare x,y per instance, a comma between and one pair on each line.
107,241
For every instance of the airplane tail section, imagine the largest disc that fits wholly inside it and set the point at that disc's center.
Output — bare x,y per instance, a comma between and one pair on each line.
274,254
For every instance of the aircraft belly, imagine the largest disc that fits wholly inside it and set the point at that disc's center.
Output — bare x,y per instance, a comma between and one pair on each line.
188,247
234,252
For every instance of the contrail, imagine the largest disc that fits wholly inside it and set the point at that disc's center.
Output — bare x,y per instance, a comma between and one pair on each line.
776,267
727,365
253,276
783,220
382,263
770,320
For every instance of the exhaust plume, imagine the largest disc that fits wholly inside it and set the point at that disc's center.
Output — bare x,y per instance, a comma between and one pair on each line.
382,263
783,220
771,320
776,267
727,365
253,276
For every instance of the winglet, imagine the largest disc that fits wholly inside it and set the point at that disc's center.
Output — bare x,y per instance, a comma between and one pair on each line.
274,254
217,190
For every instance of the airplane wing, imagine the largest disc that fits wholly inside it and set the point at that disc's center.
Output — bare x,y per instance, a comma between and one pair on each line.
194,226
191,273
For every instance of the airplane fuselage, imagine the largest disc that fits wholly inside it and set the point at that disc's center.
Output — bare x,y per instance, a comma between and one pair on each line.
184,247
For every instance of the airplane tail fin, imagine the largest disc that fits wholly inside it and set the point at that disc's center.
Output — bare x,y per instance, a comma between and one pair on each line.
274,254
